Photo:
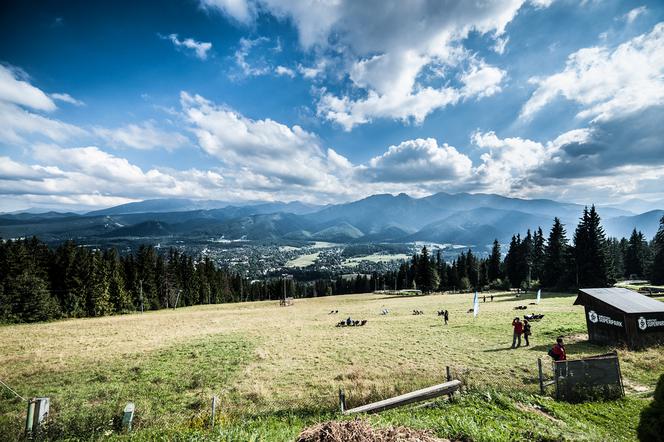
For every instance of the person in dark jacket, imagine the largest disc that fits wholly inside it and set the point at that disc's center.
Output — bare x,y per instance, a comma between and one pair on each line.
526,331
518,331
446,316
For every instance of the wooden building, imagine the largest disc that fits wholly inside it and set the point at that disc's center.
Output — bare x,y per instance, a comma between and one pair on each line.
621,316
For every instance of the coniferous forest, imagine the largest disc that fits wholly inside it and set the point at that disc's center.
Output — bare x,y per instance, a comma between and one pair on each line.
39,283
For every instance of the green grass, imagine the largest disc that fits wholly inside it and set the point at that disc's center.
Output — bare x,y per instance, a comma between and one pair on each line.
278,370
167,386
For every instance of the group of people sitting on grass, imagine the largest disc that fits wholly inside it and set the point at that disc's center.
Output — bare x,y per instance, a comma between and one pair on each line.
418,312
333,312
384,311
351,323
533,317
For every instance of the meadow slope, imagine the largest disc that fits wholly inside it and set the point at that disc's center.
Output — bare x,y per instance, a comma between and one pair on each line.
278,369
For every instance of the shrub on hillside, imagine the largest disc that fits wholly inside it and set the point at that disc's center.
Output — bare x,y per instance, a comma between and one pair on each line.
651,425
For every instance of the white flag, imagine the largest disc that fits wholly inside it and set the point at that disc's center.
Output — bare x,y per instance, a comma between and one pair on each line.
539,295
476,305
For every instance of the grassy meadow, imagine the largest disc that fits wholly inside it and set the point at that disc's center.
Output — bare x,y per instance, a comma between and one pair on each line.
278,369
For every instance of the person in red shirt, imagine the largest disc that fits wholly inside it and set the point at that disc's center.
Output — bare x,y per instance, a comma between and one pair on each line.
558,352
518,330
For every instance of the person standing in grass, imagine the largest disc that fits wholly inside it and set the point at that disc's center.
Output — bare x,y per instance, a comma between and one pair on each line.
526,331
446,316
518,331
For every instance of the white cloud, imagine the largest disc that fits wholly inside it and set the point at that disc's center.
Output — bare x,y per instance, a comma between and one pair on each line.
282,70
383,48
482,80
634,14
605,82
17,94
67,99
240,10
241,54
16,123
15,89
265,151
508,162
143,136
501,44
419,161
83,175
200,48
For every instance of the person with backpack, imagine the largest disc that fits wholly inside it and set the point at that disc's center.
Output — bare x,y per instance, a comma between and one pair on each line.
557,352
518,331
526,331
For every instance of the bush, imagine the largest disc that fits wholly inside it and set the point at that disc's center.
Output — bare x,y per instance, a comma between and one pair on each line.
464,283
651,425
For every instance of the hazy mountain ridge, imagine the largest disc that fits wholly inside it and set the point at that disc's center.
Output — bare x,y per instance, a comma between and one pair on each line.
445,218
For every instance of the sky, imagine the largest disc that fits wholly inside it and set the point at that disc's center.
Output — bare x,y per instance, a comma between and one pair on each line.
325,101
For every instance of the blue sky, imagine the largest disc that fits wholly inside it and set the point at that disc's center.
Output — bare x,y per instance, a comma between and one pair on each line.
103,103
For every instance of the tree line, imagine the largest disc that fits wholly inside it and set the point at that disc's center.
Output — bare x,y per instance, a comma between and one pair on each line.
39,283
590,259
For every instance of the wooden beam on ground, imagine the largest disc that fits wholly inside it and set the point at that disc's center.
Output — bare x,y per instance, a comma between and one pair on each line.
408,398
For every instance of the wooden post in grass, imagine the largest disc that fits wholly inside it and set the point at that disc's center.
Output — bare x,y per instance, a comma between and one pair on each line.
342,400
539,370
449,378
215,400
408,398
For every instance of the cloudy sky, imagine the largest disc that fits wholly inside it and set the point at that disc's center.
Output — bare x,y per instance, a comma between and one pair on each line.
322,101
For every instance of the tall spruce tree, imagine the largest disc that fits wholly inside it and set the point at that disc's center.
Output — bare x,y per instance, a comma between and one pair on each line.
513,267
538,255
657,268
615,256
590,254
636,256
493,267
555,256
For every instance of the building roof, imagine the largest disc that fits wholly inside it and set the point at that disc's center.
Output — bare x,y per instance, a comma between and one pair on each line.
625,300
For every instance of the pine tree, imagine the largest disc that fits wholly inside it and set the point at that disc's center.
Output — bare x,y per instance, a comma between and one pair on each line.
657,268
30,299
555,256
635,255
591,263
494,262
615,256
538,255
514,262
97,285
525,259
119,298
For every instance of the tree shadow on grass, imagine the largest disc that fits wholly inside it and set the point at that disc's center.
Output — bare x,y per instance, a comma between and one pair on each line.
493,350
574,347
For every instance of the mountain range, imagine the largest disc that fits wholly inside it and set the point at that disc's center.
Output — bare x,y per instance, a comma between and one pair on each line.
462,218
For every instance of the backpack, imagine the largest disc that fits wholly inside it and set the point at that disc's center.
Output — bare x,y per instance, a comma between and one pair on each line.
552,354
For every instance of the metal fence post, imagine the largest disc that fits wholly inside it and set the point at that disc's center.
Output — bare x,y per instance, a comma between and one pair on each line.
342,400
215,399
30,417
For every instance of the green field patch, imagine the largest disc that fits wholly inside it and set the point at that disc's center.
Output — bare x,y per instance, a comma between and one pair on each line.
170,387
